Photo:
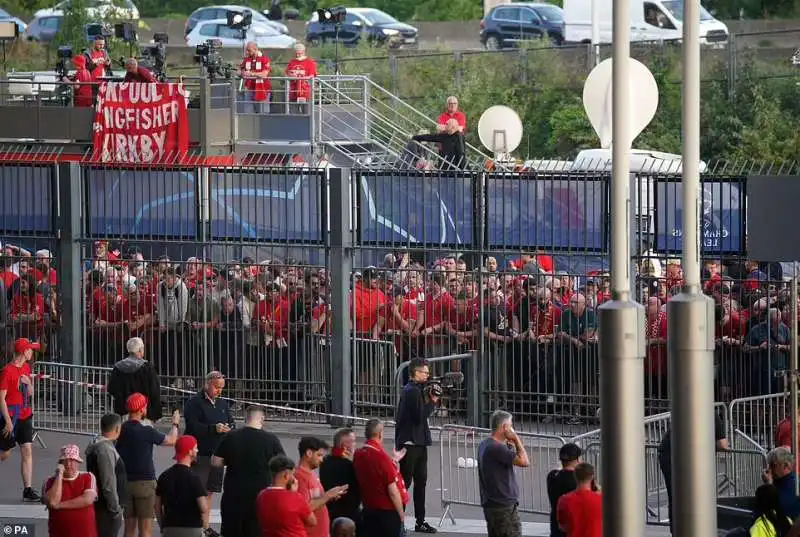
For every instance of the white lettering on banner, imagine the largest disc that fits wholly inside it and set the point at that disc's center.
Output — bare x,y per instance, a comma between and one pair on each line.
134,147
137,119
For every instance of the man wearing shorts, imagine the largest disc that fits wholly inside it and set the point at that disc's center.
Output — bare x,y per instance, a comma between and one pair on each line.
209,419
16,414
135,447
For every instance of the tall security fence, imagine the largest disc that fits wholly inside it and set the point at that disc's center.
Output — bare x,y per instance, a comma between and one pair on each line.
311,289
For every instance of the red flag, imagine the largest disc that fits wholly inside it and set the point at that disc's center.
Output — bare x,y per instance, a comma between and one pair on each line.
140,122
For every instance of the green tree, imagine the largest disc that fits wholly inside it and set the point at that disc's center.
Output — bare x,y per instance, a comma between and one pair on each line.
72,27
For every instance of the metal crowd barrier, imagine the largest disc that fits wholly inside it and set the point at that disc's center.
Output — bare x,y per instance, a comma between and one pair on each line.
738,474
458,450
757,418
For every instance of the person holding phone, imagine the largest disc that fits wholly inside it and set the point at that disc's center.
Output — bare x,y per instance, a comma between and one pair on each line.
312,451
497,457
209,418
69,496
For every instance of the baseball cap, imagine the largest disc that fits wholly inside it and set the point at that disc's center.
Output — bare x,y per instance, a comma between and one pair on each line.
24,344
569,452
184,445
135,402
70,452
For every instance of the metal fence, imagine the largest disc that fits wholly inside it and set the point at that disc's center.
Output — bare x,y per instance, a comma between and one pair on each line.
309,288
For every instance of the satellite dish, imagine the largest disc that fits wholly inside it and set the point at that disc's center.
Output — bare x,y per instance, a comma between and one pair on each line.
500,129
597,100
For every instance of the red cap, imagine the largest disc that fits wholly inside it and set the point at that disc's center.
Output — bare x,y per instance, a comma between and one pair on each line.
24,344
79,61
184,446
136,402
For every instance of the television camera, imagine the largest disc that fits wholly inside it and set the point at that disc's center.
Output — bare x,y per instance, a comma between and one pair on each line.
444,385
153,56
63,92
211,62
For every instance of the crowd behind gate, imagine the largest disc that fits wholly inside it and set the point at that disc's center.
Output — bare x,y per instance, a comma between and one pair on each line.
268,320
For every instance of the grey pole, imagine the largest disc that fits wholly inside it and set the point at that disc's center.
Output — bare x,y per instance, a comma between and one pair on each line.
690,318
621,326
793,370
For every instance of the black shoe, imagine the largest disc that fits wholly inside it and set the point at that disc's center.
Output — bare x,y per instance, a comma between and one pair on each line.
424,527
30,495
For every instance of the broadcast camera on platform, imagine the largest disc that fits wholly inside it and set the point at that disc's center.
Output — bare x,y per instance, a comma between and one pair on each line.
152,56
63,93
211,62
444,385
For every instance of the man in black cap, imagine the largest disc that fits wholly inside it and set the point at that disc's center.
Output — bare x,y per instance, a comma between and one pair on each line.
560,482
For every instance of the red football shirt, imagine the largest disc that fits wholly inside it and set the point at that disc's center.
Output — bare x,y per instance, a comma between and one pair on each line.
281,513
458,115
73,522
783,433
17,393
310,488
305,68
580,513
375,471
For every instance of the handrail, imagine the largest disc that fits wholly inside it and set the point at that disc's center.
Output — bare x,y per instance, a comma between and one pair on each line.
420,114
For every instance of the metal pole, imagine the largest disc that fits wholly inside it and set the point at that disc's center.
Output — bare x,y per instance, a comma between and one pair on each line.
690,317
793,370
621,328
596,32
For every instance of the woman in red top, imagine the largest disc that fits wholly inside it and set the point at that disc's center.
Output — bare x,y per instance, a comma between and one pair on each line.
70,496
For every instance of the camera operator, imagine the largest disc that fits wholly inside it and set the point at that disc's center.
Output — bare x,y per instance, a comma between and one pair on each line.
81,81
97,60
412,433
135,73
255,69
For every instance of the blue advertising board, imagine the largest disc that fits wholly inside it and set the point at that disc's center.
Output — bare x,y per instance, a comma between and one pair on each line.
546,212
722,213
266,206
415,208
142,203
26,203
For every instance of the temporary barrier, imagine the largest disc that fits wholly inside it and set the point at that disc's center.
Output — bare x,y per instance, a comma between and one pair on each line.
68,398
458,448
374,364
758,417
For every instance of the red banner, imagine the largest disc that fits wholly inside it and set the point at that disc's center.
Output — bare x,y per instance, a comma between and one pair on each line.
140,122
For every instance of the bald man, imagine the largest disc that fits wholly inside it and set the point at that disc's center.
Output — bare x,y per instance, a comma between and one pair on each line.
343,527
255,69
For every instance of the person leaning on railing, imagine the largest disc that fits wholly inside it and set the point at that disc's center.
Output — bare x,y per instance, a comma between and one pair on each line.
135,73
82,87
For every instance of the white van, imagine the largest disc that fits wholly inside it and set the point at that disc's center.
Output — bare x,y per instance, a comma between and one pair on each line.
651,20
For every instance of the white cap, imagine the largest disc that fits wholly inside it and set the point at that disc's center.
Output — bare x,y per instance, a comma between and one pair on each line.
44,253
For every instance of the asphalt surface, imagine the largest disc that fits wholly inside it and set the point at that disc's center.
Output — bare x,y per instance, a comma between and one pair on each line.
458,482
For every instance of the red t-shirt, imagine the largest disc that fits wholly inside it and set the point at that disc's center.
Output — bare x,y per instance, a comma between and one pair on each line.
73,522
300,89
17,393
580,513
23,304
309,487
366,304
278,314
375,471
544,322
438,309
783,433
281,512
458,115
51,276
8,278
733,327
259,64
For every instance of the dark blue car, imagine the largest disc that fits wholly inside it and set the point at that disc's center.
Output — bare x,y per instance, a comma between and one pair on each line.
370,25
508,25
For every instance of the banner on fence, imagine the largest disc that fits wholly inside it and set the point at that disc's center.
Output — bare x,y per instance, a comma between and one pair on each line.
26,199
721,211
138,122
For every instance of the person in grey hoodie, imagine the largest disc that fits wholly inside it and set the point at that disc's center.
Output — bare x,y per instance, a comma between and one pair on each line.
104,462
134,374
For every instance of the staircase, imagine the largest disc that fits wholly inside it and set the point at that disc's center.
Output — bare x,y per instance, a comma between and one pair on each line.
359,123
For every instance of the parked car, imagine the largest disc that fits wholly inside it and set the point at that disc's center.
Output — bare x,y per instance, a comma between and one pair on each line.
211,13
97,9
508,25
44,29
265,36
372,25
6,16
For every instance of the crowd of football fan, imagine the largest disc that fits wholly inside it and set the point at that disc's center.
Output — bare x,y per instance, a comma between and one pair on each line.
538,322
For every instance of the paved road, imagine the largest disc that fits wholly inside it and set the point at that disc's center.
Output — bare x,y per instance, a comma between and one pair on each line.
468,519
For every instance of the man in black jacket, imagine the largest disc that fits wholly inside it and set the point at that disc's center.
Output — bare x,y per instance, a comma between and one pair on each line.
209,419
132,375
336,470
413,434
451,143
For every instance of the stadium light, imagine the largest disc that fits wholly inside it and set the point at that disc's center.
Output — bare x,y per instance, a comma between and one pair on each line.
333,15
238,20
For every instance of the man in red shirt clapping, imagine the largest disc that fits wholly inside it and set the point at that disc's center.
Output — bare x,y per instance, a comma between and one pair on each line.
302,68
16,414
383,492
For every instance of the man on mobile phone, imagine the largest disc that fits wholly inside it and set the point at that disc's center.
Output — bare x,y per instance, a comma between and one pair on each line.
497,457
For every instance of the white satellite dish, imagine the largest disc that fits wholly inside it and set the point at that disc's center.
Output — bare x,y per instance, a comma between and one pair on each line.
597,100
500,130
